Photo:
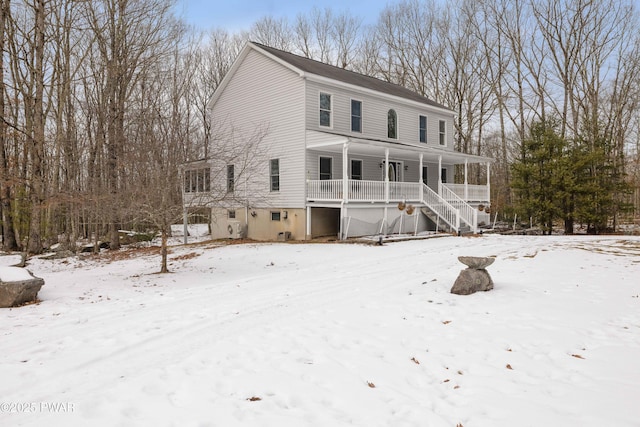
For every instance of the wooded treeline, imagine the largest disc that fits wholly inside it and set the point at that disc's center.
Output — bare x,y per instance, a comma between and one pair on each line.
103,100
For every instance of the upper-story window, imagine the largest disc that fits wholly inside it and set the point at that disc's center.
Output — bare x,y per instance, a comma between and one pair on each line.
423,129
274,174
443,132
392,124
356,116
231,178
325,109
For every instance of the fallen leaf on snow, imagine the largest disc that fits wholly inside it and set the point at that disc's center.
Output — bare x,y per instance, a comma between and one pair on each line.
509,366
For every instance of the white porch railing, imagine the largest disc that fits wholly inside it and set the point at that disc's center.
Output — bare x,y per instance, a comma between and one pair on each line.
470,193
327,190
362,191
446,205
468,213
441,207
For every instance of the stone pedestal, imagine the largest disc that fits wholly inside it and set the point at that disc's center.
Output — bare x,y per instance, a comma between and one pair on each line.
474,278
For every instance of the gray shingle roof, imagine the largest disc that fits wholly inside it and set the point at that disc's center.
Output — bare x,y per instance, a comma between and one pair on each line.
335,73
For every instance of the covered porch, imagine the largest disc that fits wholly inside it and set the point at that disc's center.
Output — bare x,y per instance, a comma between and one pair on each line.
346,171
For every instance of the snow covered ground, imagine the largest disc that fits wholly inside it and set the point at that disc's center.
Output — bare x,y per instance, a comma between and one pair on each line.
331,335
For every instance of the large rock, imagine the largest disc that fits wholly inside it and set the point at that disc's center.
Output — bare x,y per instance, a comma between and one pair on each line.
471,280
475,278
18,286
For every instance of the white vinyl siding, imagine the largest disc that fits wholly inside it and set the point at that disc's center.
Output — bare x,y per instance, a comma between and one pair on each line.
374,114
246,95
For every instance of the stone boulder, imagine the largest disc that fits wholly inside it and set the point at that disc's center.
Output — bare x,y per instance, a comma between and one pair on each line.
18,286
475,278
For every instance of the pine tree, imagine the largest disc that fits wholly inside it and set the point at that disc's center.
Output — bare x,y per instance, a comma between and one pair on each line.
541,177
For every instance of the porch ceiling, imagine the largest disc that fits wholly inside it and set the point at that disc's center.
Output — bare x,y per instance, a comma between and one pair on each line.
333,143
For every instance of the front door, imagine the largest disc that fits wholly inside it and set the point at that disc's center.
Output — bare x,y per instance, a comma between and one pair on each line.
395,171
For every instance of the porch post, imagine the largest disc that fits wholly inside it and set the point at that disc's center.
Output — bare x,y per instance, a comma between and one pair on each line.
440,175
420,177
386,184
466,180
345,172
308,222
488,182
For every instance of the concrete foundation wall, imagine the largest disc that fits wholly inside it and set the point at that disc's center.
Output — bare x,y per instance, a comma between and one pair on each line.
258,224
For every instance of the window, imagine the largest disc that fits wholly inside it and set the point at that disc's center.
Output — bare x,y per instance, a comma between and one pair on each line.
230,178
200,178
274,173
325,168
325,109
443,132
423,129
392,124
231,214
356,169
443,175
356,116
275,215
425,171
197,180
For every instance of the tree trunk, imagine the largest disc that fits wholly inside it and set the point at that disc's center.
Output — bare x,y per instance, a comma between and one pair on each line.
37,153
164,251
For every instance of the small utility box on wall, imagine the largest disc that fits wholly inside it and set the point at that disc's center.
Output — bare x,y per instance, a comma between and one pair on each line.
284,236
236,230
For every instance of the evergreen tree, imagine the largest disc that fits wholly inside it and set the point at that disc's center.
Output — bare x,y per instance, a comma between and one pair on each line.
542,178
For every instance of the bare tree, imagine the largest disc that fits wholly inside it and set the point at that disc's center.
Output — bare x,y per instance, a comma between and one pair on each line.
272,32
8,235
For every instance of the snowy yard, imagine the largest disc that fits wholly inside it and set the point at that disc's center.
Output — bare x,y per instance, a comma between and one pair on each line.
331,335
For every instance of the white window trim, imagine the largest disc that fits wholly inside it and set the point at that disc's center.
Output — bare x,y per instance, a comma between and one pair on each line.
361,168
426,128
271,190
385,169
325,157
330,111
441,133
397,125
351,116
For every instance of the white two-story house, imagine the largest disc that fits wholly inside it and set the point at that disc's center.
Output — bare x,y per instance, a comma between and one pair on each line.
329,152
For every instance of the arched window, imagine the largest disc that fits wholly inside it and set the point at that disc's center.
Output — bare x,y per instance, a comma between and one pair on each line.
392,124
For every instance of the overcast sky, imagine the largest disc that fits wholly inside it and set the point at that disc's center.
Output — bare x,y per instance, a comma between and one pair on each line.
240,14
